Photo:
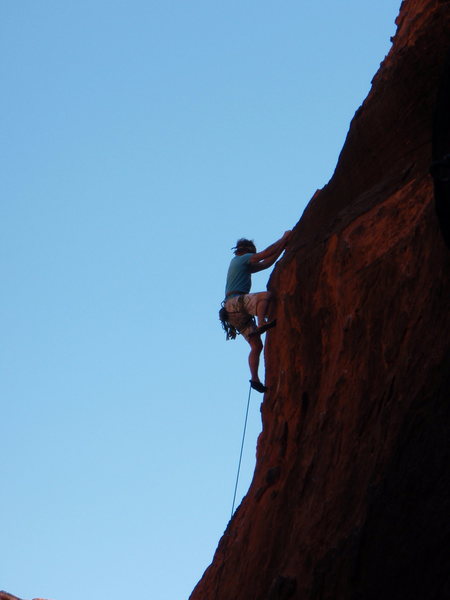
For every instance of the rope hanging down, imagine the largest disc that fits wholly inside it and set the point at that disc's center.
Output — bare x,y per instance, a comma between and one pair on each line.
242,447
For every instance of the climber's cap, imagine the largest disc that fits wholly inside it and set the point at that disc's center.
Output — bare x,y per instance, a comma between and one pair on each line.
244,245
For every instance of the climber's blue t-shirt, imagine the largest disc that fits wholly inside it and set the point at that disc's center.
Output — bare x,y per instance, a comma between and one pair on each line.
239,275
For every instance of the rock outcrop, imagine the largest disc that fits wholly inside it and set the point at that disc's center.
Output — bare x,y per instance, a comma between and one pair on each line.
351,493
6,596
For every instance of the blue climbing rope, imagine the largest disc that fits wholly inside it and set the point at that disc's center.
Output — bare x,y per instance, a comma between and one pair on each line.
242,447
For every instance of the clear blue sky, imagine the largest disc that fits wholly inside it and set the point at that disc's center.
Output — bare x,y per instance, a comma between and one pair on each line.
140,139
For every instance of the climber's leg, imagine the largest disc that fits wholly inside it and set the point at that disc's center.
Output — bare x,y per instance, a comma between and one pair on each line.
256,347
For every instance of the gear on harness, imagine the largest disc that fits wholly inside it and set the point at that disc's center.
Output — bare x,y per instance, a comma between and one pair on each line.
230,331
242,319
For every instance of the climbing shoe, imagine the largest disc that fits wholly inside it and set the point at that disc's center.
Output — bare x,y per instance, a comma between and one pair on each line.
258,386
264,328
267,326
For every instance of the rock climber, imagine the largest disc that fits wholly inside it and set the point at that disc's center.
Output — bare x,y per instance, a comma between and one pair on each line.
240,307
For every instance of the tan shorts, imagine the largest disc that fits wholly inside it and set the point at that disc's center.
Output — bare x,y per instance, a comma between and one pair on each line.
241,320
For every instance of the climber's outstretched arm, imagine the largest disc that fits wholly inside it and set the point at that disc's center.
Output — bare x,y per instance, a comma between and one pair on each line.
266,258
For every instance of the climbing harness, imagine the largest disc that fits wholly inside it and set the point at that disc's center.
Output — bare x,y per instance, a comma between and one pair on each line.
242,319
242,447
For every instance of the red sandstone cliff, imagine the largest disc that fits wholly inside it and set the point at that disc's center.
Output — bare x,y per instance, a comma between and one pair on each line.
351,494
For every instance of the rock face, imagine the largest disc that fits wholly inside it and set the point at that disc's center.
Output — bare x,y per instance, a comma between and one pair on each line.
351,494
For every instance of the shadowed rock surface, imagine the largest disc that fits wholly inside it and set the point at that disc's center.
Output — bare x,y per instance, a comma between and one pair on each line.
351,493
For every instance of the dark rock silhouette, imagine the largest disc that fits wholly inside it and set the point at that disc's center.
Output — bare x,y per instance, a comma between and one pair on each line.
440,168
6,596
350,498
